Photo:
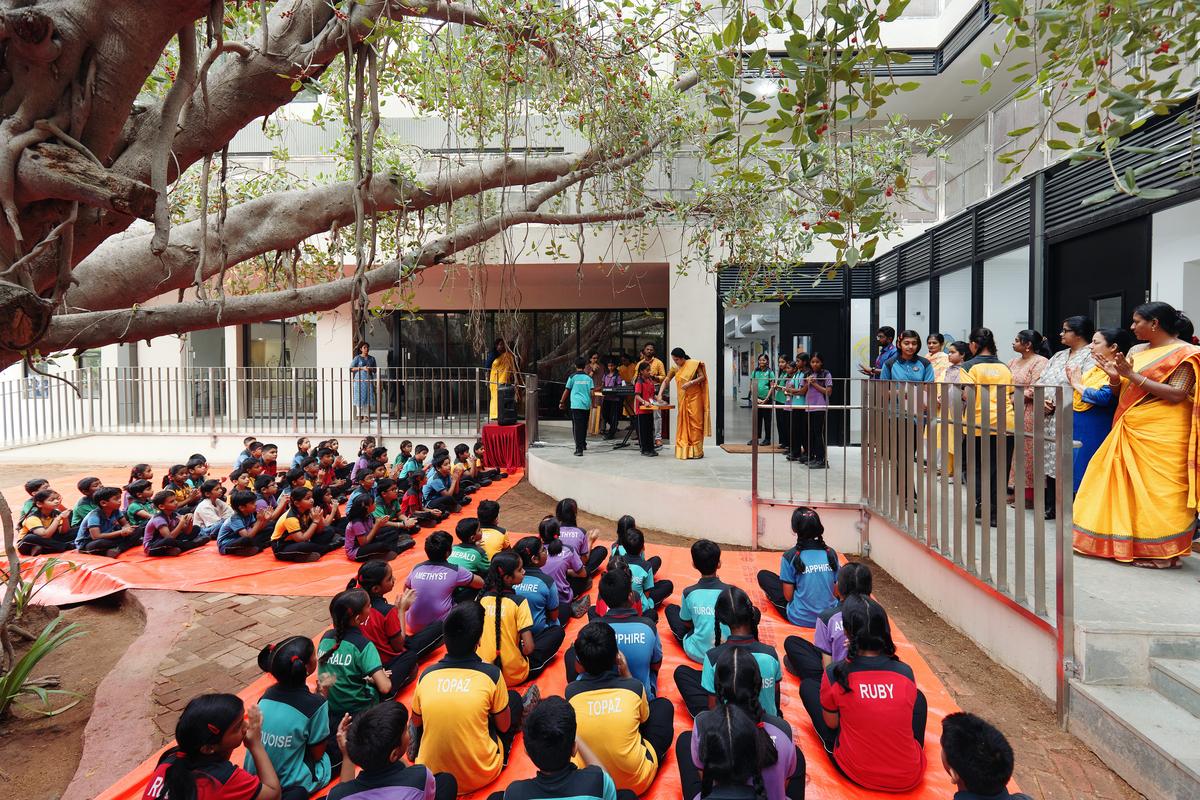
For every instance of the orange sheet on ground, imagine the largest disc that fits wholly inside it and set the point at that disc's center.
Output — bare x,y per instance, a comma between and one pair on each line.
206,570
741,568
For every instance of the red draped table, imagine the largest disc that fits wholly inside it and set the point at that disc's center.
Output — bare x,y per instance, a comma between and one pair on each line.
504,446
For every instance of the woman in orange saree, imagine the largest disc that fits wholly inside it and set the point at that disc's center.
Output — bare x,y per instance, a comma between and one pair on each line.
693,422
1137,502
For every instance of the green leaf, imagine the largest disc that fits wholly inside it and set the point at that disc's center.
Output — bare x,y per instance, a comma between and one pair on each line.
1156,194
852,257
1057,144
1020,131
1051,14
1067,127
985,60
910,86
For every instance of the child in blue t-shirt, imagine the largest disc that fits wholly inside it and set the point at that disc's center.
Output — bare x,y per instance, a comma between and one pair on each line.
248,531
104,530
804,586
693,621
295,724
539,589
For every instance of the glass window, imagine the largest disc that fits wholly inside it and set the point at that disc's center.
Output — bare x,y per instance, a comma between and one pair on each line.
599,331
555,346
461,341
954,305
916,308
1106,311
966,169
1006,293
888,312
206,348
281,358
422,340
639,328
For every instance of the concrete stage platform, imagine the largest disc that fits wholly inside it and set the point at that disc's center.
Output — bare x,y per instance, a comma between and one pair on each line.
1135,695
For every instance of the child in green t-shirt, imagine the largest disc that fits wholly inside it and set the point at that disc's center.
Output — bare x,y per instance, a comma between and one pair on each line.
140,509
469,555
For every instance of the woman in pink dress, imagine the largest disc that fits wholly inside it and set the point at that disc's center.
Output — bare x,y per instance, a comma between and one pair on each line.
1026,368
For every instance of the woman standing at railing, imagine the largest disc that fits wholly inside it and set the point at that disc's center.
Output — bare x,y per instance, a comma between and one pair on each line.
1027,369
935,343
985,371
1094,401
362,375
1137,502
1076,334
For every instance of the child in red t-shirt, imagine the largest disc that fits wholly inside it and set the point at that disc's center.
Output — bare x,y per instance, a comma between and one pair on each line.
643,394
412,505
872,716
211,727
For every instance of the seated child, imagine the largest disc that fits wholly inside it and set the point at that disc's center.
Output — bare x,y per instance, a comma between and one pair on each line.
334,519
692,621
168,533
628,734
563,565
212,510
637,636
45,529
414,464
625,524
104,531
86,503
364,485
804,586
412,504
370,537
809,660
270,460
253,449
244,476
551,743
592,555
651,592
377,741
294,479
468,553
303,445
186,496
402,457
349,662
737,613
739,684
442,490
870,704
248,531
365,461
295,721
387,505
399,647
140,507
138,472
481,470
463,465
435,582
977,757
537,588
267,489
495,538
300,534
211,727
32,487
508,639
732,756
328,462
197,470
464,716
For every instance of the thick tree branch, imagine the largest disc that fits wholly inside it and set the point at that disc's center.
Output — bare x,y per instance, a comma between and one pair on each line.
56,171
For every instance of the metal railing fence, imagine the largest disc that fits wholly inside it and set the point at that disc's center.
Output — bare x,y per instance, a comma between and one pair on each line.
425,401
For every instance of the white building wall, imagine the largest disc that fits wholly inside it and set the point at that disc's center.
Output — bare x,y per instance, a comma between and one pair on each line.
1175,257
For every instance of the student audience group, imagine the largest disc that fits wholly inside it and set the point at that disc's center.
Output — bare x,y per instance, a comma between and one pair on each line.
501,605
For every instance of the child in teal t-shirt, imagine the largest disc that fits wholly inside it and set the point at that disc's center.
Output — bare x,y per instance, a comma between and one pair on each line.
296,722
693,621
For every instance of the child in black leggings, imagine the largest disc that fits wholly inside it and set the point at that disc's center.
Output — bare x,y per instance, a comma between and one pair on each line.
105,531
168,533
301,535
45,529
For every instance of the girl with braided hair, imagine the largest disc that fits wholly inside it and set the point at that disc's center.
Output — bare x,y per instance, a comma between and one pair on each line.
349,662
211,727
731,755
739,683
804,586
737,612
872,716
508,640
295,723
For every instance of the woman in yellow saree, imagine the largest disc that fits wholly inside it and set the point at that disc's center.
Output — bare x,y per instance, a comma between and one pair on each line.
504,371
1137,502
694,422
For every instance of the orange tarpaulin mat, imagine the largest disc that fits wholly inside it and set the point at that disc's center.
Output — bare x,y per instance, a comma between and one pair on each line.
206,570
739,568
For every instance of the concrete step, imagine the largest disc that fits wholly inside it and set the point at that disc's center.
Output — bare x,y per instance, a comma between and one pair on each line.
1151,742
1178,680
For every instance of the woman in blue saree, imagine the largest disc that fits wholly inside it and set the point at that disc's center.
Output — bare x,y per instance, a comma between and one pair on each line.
362,382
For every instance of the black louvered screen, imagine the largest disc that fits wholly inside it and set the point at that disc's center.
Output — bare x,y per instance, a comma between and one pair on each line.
1068,185
887,271
809,282
1004,221
862,278
974,24
915,260
953,244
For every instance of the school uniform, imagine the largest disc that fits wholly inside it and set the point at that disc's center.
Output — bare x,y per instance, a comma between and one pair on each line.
155,543
396,781
637,639
813,584
456,699
298,459
434,582
816,409
515,618
230,538
210,514
628,733
294,719
82,508
783,780
804,658
493,540
557,566
470,557
220,780
433,497
352,664
990,372
650,591
768,666
579,386
323,541
540,592
589,783
879,743
797,444
577,539
132,511
84,542
386,540
62,541
411,506
646,390
697,605
382,624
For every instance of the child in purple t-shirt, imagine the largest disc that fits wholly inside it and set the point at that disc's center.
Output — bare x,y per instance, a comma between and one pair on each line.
562,562
574,537
434,581
167,533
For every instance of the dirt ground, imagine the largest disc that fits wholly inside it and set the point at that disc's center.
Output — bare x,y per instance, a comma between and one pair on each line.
38,754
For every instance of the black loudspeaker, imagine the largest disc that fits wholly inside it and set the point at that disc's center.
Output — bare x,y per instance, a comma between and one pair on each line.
506,398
